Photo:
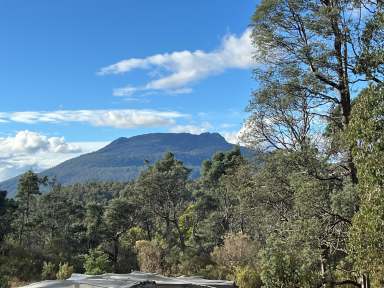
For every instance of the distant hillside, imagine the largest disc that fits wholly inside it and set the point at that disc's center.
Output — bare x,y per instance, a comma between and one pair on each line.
123,159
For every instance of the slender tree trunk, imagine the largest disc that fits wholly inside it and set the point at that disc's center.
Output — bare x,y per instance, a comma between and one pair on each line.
148,230
322,268
168,232
181,235
21,231
341,54
365,282
115,253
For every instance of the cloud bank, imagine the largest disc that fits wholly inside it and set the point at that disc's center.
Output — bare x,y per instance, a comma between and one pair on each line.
176,71
32,150
27,142
123,118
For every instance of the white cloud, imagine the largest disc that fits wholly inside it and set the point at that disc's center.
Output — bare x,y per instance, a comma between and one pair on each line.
236,137
27,142
123,118
31,150
193,129
177,70
231,136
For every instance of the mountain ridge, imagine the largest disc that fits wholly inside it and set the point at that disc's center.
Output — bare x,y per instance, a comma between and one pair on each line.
124,158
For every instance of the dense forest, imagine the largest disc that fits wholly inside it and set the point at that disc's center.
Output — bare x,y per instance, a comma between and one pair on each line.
308,211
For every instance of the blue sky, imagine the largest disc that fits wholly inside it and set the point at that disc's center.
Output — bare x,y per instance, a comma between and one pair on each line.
78,74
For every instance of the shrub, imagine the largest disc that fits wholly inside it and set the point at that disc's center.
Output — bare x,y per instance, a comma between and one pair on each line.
247,277
65,271
149,256
23,264
283,266
49,271
238,251
134,234
96,262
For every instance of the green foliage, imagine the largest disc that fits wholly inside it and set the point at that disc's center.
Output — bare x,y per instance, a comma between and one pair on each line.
345,201
193,263
367,238
248,277
97,262
163,191
28,189
366,138
133,235
20,263
49,271
29,185
119,215
290,261
220,164
310,70
94,223
7,210
65,271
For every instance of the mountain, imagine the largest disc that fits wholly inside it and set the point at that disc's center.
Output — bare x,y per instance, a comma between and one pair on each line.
123,159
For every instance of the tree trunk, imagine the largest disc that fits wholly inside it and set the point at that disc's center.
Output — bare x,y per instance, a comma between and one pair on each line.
168,232
148,230
341,53
365,282
115,253
181,235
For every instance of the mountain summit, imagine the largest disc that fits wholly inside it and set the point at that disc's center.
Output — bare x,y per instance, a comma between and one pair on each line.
124,158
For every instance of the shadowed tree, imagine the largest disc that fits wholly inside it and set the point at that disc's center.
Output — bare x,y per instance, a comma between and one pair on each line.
28,189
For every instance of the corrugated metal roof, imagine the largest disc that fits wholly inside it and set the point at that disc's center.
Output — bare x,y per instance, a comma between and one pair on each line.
132,280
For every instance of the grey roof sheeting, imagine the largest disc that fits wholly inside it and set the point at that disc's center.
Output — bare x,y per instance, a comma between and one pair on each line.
132,280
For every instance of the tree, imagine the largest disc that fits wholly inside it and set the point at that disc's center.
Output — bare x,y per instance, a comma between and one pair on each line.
311,51
28,188
119,217
220,164
94,224
162,188
366,138
223,177
59,226
7,209
282,265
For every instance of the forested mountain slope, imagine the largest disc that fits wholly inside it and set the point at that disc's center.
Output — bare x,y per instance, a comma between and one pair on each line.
124,158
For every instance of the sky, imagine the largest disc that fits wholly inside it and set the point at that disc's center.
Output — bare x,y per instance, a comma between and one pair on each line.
75,75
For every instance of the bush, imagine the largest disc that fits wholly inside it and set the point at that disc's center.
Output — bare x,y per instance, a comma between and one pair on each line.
149,256
49,271
247,277
134,234
23,264
283,266
96,262
193,264
238,251
65,271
